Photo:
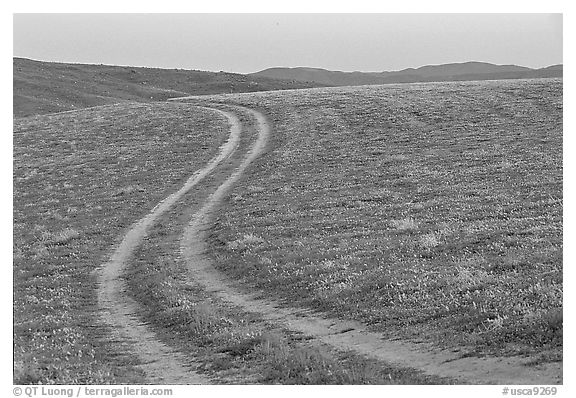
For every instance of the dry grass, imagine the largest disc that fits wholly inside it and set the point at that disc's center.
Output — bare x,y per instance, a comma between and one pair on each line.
429,211
79,180
233,346
246,241
406,224
438,207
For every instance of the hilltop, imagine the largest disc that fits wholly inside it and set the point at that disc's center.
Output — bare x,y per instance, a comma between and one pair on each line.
47,87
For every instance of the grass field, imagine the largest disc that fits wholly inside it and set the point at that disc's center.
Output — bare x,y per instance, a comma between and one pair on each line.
232,345
80,179
431,211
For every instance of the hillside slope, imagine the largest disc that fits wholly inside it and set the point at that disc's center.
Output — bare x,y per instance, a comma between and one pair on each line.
447,72
47,87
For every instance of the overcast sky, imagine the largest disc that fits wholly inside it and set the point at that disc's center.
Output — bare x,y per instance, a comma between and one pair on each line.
251,42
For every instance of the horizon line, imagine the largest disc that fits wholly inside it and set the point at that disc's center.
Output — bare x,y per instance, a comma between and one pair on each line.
274,67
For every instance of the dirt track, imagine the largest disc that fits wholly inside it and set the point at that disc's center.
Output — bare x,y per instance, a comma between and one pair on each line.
340,334
164,366
160,363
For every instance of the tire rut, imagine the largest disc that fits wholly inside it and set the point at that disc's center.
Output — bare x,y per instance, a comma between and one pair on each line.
343,334
161,364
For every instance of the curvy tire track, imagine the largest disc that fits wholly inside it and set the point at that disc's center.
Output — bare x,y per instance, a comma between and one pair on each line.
340,334
161,364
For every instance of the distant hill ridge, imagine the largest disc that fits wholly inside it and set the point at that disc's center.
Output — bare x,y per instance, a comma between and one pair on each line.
446,72
46,87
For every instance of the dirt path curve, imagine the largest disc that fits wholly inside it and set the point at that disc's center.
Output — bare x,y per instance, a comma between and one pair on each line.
161,364
345,335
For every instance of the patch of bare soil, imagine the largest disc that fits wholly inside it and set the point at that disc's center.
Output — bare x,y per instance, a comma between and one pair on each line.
343,334
161,364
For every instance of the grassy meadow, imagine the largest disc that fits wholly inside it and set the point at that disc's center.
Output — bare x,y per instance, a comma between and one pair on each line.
230,345
80,180
428,211
431,212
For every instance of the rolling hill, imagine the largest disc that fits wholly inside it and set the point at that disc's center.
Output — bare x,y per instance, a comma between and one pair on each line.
421,224
48,87
429,73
